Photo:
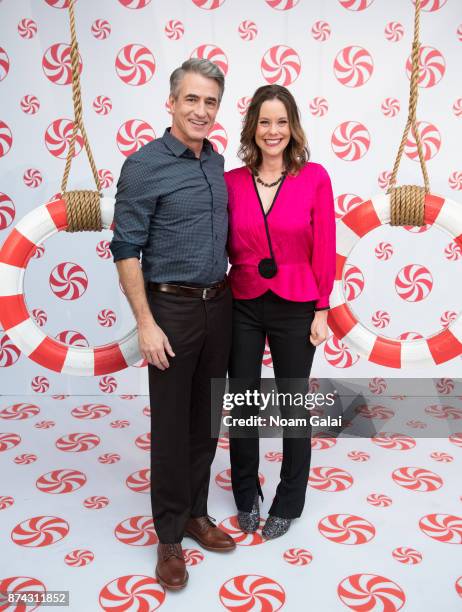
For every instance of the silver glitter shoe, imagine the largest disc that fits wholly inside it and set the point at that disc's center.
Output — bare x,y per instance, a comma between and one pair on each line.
249,521
275,527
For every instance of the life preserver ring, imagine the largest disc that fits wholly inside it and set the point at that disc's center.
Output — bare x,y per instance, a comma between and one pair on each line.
436,349
18,248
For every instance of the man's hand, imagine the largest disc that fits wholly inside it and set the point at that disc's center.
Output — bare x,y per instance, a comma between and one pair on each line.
154,345
319,330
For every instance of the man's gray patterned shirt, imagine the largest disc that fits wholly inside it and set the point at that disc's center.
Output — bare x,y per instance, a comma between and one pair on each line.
172,207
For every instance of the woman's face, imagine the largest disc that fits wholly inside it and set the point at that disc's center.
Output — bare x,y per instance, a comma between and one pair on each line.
273,132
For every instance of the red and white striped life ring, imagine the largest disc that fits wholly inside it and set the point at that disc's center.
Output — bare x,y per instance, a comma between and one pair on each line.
438,348
18,248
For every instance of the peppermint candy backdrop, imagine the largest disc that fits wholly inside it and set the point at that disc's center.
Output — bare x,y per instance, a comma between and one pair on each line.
346,62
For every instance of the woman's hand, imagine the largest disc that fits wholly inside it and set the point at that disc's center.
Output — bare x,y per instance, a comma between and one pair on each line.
319,331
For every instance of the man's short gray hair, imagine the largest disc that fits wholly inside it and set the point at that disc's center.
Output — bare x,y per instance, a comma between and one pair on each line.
202,66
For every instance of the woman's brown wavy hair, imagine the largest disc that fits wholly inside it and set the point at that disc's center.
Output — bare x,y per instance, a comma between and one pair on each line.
296,154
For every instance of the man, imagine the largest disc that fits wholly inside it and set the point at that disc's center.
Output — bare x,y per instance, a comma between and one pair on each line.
171,205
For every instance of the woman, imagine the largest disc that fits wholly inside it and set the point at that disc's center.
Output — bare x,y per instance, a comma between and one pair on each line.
282,250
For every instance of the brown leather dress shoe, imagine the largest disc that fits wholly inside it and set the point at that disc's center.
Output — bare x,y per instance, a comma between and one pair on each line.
171,569
208,535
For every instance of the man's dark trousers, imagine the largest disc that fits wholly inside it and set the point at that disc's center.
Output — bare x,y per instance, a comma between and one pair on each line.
182,449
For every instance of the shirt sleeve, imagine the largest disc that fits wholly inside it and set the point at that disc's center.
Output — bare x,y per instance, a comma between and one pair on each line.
134,207
323,257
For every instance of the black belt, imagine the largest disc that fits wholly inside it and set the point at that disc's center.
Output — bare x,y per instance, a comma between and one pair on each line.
205,293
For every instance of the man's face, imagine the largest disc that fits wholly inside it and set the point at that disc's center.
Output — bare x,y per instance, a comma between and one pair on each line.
195,108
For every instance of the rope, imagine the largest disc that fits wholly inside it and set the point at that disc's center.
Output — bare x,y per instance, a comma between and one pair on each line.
83,210
407,202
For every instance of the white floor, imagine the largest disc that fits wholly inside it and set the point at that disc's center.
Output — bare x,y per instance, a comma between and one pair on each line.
381,530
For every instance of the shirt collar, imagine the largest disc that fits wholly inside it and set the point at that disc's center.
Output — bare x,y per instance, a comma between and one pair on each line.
179,148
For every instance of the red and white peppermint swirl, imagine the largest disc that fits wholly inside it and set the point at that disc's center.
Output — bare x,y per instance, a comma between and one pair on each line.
133,592
30,104
319,107
59,4
174,29
456,439
107,317
251,591
132,135
353,66
455,180
213,54
431,67
457,107
359,456
135,64
19,412
32,178
21,585
350,140
339,354
452,251
102,249
56,64
136,531
416,424
44,424
458,586
445,386
208,5
431,5
322,441
192,556
7,211
107,384
441,457
4,64
380,319
40,531
346,529
102,105
223,441
40,384
379,500
445,528
27,28
68,281
394,31
273,456
58,136
383,251
320,31
247,30
356,5
40,316
375,412
109,458
79,558
9,441
394,441
297,556
406,555
39,252
430,138
459,32
243,104
144,441
5,502
390,107
139,481
282,5
101,29
443,412
383,179
353,282
346,202
91,411
417,479
230,526
363,592
106,178
72,338
58,482
6,139
77,442
413,283
218,137
281,65
25,459
134,4
330,479
96,502
223,480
